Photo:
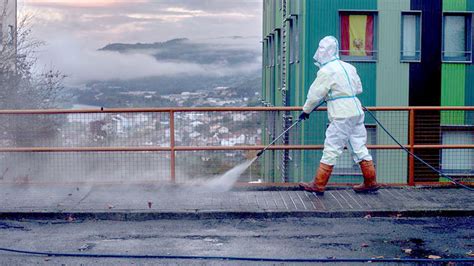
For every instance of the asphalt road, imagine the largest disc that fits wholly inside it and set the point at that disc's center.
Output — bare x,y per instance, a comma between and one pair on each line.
270,238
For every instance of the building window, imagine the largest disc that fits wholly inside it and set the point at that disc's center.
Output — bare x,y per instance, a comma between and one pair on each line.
458,162
358,35
265,52
294,40
457,39
411,36
11,35
271,42
278,47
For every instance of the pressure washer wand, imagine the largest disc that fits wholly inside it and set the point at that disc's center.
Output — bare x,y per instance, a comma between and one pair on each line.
288,129
275,140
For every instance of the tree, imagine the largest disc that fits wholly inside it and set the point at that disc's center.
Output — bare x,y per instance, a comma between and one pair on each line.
23,88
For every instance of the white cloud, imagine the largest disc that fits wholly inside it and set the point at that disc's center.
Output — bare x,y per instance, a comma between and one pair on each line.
81,64
79,3
75,29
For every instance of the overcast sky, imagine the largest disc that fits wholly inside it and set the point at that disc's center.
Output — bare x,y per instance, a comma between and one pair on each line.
74,29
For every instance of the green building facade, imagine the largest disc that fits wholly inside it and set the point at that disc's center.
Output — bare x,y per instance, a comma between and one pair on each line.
407,53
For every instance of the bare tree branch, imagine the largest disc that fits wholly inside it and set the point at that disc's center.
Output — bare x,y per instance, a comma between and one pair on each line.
23,88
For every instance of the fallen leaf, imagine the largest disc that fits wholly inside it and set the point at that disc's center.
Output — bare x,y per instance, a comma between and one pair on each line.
69,218
434,257
407,250
84,247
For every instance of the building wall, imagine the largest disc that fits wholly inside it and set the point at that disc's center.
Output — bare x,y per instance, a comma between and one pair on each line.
470,75
387,81
392,87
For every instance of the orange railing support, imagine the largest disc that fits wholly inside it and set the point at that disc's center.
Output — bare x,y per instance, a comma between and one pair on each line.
411,143
173,149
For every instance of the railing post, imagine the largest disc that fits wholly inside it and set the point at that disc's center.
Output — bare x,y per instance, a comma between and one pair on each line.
172,147
411,139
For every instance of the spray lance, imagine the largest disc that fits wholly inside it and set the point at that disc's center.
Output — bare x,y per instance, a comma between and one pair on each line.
288,129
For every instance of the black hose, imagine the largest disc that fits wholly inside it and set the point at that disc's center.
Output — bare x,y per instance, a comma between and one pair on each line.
178,257
415,156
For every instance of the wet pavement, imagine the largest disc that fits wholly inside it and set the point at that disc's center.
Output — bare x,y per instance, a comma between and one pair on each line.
284,238
395,223
143,202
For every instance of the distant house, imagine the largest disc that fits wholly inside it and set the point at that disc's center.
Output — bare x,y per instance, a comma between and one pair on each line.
121,123
223,130
214,128
239,117
234,140
194,135
196,123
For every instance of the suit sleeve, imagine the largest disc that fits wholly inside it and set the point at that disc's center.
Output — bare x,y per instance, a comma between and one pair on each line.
357,82
317,91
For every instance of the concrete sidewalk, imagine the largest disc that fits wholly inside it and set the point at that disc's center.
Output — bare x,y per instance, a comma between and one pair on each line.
145,202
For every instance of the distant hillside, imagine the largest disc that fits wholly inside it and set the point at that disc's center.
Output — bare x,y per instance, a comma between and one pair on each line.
184,50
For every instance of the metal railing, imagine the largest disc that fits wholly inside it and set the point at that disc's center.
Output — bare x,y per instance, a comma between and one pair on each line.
182,144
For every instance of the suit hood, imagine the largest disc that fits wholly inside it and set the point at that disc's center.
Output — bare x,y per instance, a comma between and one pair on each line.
328,51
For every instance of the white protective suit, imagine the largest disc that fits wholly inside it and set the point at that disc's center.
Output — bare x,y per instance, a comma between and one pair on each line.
338,83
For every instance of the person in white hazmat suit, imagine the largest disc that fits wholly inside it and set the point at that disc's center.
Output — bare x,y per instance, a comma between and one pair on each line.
338,83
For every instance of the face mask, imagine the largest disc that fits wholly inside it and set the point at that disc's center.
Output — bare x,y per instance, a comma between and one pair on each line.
327,52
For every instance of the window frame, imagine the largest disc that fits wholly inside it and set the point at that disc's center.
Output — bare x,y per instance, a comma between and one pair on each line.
11,35
271,49
468,38
278,58
265,52
278,47
449,129
294,39
412,59
375,51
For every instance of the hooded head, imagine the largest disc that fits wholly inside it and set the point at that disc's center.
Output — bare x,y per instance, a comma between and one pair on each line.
328,51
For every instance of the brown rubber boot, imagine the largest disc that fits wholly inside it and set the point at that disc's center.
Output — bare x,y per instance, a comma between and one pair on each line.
370,183
320,180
